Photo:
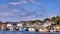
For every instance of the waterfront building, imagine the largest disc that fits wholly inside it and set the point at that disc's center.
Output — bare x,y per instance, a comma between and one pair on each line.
31,29
20,26
10,27
3,26
42,30
48,24
0,25
15,26
58,28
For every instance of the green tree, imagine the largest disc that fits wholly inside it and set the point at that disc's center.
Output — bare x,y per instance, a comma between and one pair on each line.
56,19
47,19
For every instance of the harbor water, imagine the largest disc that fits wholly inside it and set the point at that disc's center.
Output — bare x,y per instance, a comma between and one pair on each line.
18,32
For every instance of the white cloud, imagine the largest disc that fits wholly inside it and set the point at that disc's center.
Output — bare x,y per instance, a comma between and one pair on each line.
24,2
14,3
15,12
6,14
21,12
17,3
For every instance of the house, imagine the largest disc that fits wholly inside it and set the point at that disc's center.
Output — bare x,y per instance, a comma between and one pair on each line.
47,22
3,26
19,26
10,27
0,25
22,26
42,30
58,28
31,29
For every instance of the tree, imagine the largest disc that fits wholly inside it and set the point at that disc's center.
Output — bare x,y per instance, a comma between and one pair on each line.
53,19
56,19
47,19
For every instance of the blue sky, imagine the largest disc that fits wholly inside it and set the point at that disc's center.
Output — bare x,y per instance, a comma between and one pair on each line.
17,10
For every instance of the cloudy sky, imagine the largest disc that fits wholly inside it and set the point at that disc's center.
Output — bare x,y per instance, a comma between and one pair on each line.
17,10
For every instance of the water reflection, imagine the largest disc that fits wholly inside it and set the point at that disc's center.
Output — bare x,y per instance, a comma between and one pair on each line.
17,32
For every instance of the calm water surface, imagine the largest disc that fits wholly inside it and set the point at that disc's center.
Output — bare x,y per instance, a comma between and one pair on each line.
17,32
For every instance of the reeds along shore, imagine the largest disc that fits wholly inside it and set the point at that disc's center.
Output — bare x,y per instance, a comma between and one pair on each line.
48,25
